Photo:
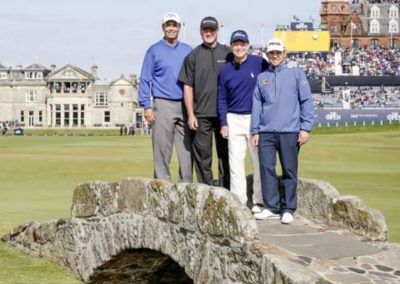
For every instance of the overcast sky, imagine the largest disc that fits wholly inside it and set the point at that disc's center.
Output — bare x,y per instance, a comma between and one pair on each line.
114,34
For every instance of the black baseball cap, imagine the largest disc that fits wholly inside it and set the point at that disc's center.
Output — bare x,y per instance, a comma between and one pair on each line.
209,22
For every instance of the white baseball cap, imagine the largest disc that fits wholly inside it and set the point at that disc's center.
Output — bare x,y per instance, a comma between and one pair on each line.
171,16
275,44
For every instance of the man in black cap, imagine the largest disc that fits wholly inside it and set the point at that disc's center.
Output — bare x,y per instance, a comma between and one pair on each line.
199,74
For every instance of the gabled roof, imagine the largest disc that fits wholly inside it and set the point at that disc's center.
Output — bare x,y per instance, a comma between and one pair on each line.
36,66
119,79
75,68
3,67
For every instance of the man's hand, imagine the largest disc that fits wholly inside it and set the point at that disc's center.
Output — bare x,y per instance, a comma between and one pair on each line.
224,131
254,140
149,115
303,137
192,122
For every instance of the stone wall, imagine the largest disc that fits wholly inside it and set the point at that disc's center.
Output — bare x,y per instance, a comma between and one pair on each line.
321,202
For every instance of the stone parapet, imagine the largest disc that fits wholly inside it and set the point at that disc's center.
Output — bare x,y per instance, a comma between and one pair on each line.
320,202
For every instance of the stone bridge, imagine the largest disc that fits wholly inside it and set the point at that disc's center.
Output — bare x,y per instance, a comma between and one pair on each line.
137,229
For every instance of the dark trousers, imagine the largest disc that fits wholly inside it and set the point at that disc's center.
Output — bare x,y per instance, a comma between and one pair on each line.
202,152
288,150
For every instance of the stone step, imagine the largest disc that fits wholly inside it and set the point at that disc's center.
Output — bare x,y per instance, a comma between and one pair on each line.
312,242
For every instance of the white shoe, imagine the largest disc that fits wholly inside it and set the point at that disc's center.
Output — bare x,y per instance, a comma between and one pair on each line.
257,208
266,214
287,218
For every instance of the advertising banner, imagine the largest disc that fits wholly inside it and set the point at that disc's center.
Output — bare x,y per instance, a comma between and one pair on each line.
356,116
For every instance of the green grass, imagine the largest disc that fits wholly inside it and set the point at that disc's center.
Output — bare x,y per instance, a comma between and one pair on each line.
38,175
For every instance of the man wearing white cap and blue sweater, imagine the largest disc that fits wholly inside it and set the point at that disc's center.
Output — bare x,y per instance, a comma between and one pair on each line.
237,79
282,118
159,79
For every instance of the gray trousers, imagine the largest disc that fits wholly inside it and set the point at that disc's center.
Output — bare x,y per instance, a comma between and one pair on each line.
170,127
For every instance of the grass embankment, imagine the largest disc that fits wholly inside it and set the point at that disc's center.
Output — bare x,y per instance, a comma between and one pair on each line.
38,175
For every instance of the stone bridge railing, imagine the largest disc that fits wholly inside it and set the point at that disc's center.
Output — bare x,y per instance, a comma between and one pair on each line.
206,230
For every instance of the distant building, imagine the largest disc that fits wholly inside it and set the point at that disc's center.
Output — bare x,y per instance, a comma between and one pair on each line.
68,97
362,23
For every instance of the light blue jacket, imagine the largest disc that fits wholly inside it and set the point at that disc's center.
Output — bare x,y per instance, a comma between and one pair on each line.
282,101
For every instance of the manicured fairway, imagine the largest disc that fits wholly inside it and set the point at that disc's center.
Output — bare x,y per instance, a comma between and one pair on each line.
38,175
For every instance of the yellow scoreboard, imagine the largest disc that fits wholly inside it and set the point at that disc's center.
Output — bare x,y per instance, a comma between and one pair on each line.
297,41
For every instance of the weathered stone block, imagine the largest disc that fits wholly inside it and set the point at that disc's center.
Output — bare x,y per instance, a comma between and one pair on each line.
222,214
84,203
349,211
132,195
314,198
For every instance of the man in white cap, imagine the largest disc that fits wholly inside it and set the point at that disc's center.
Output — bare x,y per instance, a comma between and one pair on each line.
166,113
237,79
282,118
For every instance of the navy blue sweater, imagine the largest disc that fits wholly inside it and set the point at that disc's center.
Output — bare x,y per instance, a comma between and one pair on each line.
236,85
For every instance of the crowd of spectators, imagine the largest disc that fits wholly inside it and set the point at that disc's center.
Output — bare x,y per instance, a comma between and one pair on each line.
379,1
372,61
367,62
359,97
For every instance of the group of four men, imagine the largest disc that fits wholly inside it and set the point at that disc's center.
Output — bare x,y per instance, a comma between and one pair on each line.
189,96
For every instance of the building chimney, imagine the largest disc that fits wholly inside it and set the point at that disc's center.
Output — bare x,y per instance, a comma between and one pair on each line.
363,8
94,71
53,68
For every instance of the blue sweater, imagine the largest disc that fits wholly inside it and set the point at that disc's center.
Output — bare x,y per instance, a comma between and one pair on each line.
160,70
236,85
282,101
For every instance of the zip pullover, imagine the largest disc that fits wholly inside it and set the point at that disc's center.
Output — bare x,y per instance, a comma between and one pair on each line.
282,101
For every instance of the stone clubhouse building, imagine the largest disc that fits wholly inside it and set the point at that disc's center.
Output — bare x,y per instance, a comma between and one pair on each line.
68,97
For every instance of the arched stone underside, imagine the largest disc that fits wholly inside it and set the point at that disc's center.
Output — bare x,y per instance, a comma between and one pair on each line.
140,266
204,229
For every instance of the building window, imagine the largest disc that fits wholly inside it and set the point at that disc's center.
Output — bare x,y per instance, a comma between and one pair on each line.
22,116
393,12
30,96
375,14
3,75
356,43
374,26
75,115
58,115
40,116
57,87
107,116
67,87
31,118
66,115
101,99
374,43
393,26
394,44
82,115
33,75
69,74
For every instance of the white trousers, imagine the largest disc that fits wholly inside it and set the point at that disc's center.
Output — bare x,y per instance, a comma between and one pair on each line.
239,138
